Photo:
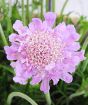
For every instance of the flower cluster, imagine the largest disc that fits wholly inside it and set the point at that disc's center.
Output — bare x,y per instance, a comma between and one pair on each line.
43,52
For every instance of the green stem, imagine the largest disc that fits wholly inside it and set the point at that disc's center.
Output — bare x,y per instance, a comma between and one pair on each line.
3,36
10,9
76,94
19,94
47,5
48,98
84,46
23,13
27,11
2,2
41,9
53,5
65,3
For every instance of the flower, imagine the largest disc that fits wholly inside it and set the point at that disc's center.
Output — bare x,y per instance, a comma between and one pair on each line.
43,52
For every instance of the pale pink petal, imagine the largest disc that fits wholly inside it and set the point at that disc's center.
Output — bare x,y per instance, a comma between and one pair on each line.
75,46
35,25
45,85
11,53
18,26
35,80
12,37
50,66
67,77
50,18
20,80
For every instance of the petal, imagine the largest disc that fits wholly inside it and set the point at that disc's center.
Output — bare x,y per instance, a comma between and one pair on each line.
62,32
78,56
12,37
18,26
50,18
66,77
19,70
67,33
20,80
35,25
75,36
11,53
22,70
81,55
55,76
45,85
73,47
69,67
73,32
27,74
71,28
55,80
61,27
50,66
13,64
76,60
35,80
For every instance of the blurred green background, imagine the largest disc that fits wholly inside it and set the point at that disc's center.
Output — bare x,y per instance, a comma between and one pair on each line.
75,93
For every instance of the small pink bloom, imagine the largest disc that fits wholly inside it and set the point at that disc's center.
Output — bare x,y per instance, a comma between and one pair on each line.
44,53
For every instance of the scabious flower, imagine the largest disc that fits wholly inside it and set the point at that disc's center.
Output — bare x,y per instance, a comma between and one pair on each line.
43,52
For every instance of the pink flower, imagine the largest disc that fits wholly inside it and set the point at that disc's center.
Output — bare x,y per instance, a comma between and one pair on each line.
44,53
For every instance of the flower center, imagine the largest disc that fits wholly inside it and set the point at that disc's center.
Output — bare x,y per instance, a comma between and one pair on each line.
43,49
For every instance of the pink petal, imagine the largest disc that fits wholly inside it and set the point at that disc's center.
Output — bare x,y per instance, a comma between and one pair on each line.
45,86
55,76
19,68
11,53
13,64
73,47
35,25
35,80
20,80
73,32
67,77
50,66
18,26
50,18
12,37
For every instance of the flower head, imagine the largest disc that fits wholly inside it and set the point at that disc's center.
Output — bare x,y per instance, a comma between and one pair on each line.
44,53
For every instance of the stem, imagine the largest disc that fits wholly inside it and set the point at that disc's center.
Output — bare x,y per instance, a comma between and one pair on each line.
84,46
27,11
50,5
3,36
2,2
19,94
65,3
10,8
47,5
76,94
48,98
53,5
41,9
9,25
23,13
31,10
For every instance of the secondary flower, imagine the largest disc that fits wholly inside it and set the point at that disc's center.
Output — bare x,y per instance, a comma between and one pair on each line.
43,52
